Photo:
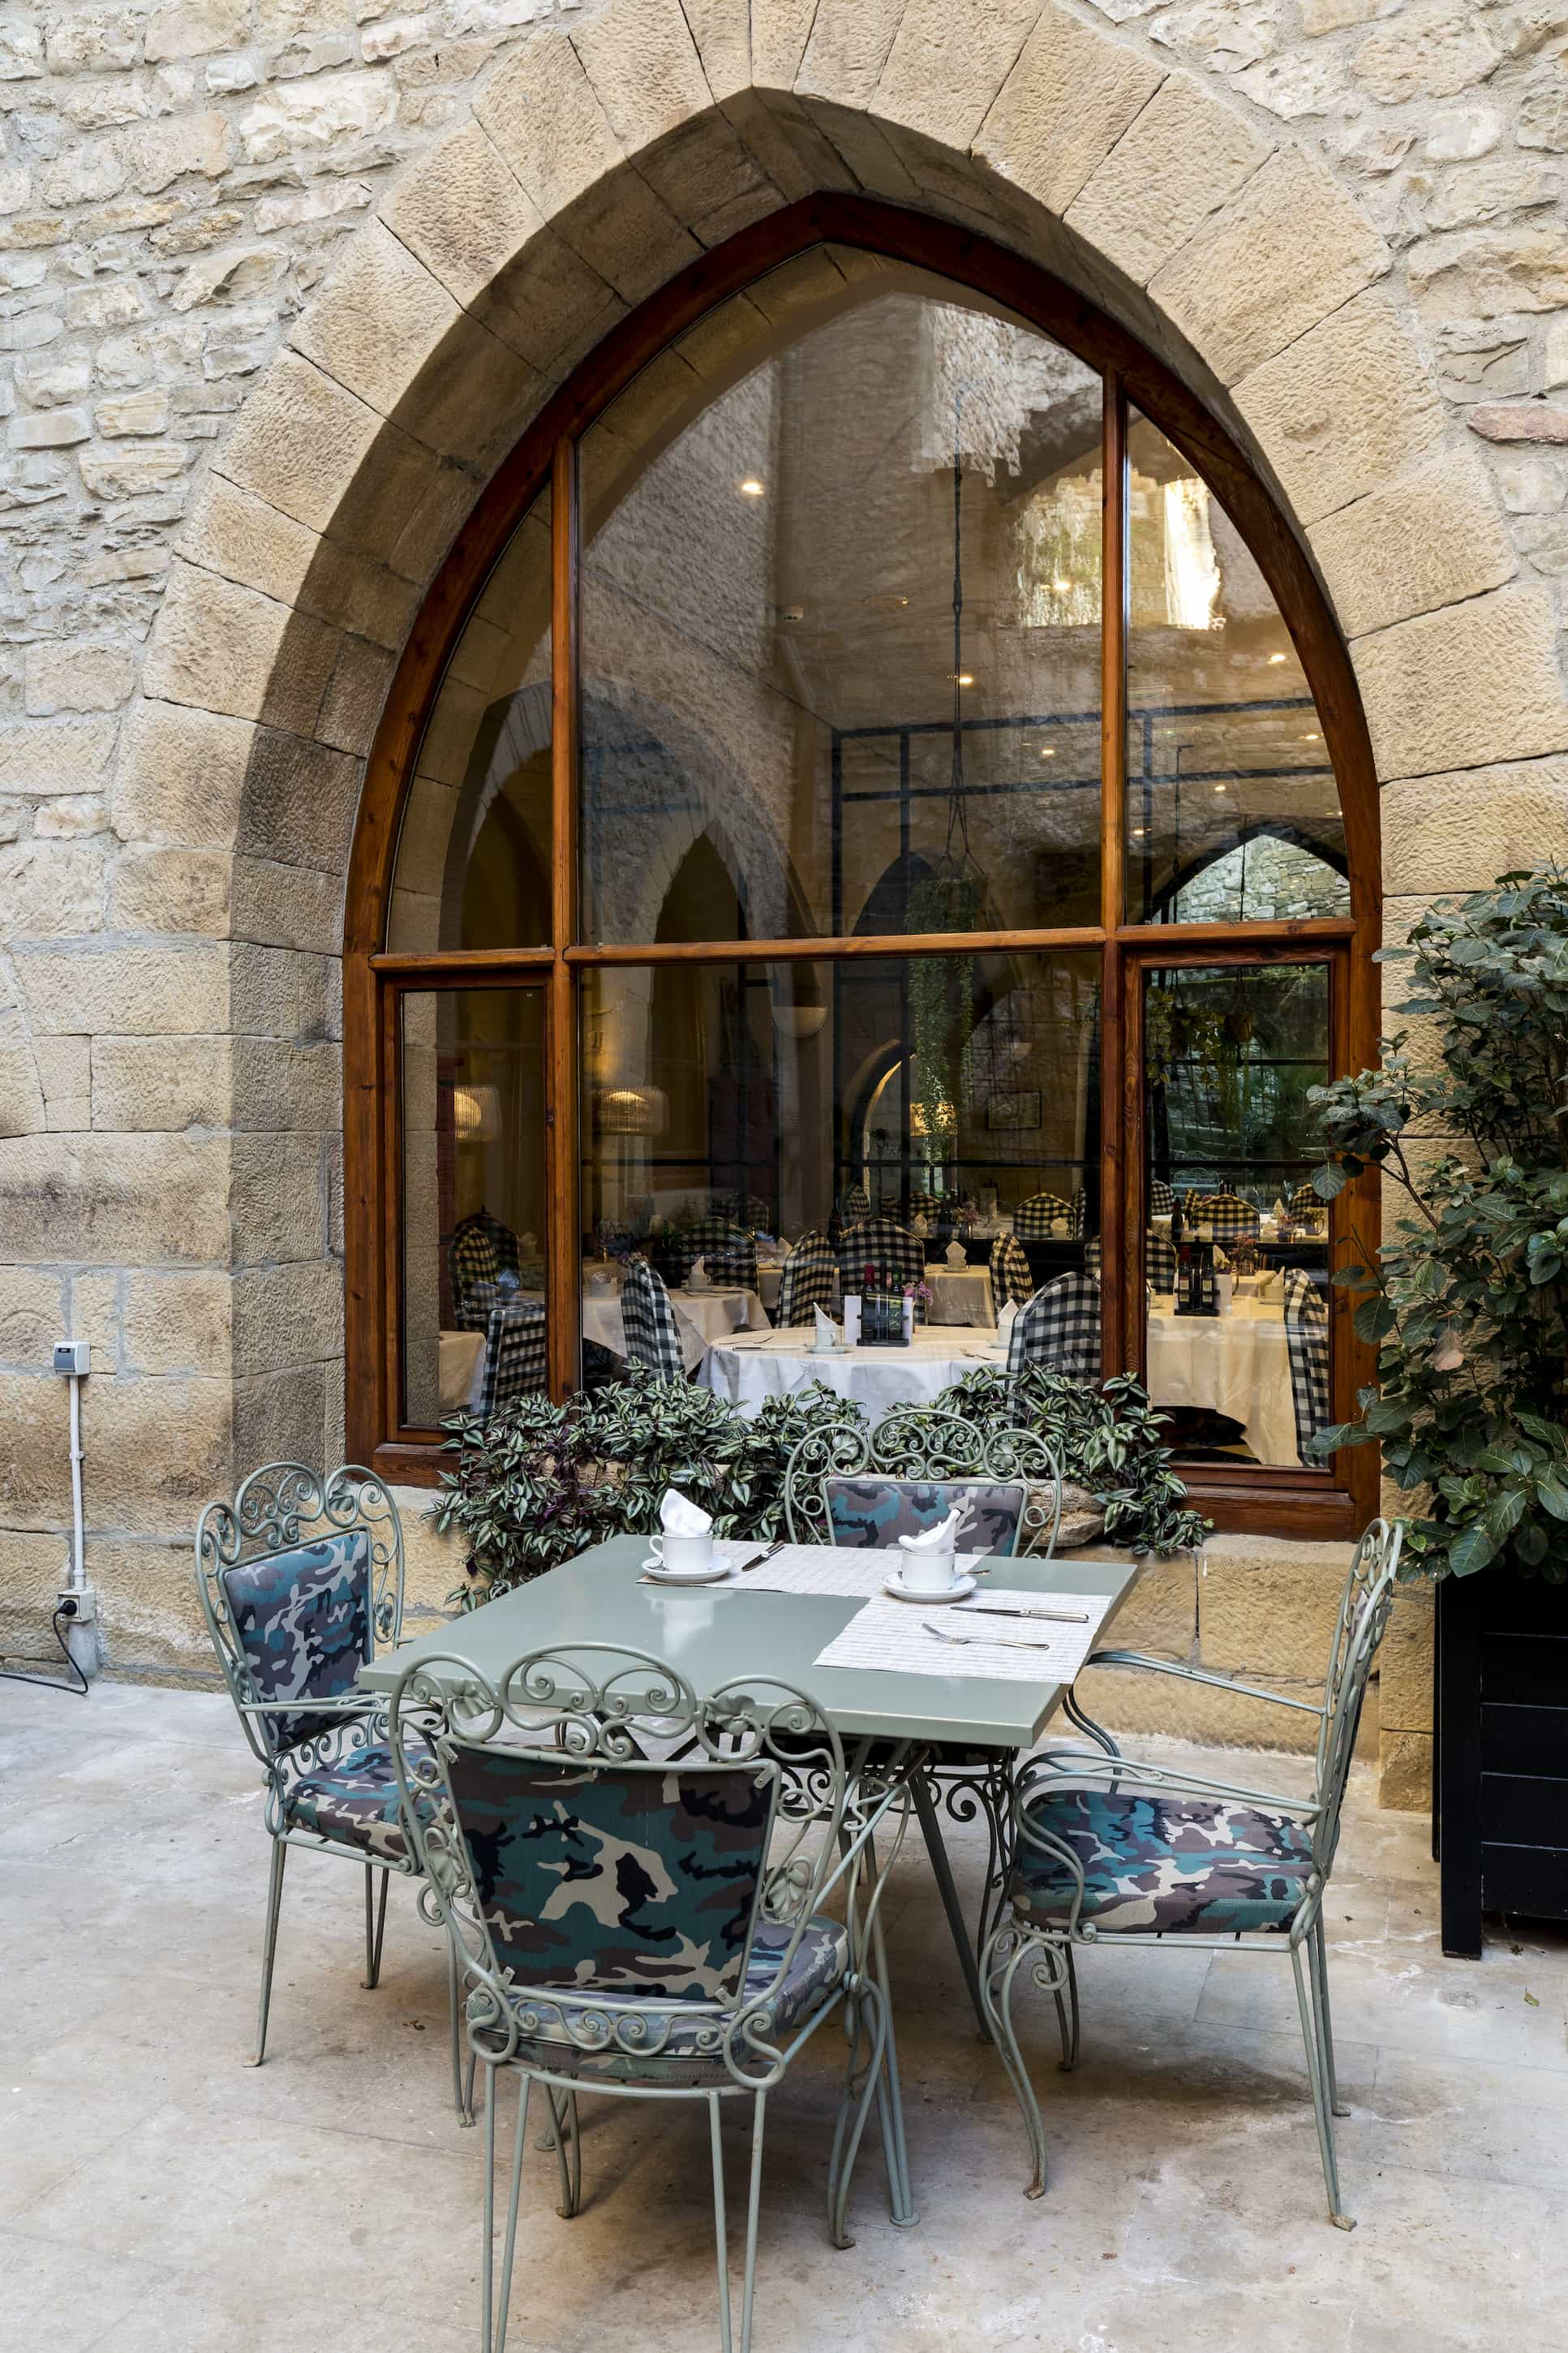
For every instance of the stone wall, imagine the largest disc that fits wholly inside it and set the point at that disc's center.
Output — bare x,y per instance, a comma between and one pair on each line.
281,280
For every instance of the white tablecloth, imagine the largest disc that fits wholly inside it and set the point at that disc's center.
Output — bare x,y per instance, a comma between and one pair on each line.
700,1318
462,1365
959,1294
1238,1364
876,1379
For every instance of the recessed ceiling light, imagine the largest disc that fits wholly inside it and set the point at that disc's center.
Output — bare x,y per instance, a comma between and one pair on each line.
1311,739
1275,658
750,488
1219,788
1138,831
1061,587
1048,751
963,678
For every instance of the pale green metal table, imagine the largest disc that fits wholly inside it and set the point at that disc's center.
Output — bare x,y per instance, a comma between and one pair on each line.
714,1634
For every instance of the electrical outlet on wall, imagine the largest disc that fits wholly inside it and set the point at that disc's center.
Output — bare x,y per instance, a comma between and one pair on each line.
73,1357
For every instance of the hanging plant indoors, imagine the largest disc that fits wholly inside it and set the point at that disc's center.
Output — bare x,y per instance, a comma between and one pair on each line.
1468,1303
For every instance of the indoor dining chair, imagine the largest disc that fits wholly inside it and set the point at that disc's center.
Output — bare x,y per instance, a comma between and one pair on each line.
1058,1331
652,1896
300,1580
1011,1278
1106,1850
809,1281
1043,1215
890,1250
649,1321
1306,1343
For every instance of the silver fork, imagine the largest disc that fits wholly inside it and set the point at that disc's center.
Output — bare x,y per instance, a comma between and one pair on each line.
1002,1642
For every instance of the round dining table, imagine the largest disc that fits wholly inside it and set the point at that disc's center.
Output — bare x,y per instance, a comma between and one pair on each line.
701,1317
1237,1363
747,1372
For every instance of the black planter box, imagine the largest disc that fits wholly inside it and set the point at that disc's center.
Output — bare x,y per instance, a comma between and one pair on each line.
1499,1786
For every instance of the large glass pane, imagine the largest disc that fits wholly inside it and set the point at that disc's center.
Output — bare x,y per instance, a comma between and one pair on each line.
473,1325
473,855
1236,1252
730,1110
1233,813
840,621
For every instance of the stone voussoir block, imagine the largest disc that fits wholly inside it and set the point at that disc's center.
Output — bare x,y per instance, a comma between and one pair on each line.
1072,94
1459,831
1466,687
1183,156
1432,538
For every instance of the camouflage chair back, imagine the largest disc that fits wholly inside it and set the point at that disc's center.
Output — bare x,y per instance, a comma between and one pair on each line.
300,1580
1105,1848
635,1886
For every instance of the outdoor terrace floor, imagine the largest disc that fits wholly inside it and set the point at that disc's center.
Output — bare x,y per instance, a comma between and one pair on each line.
157,2196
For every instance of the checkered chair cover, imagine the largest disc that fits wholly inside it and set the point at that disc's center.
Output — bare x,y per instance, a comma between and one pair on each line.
650,1320
923,1205
1044,1214
481,1250
1159,1261
1232,1218
1307,1340
810,1279
854,1204
743,1210
1306,1203
1010,1276
1161,1197
729,1255
894,1253
1079,1206
516,1360
1058,1331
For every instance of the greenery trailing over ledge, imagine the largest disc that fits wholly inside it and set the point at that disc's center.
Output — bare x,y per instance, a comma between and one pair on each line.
542,1482
1468,1298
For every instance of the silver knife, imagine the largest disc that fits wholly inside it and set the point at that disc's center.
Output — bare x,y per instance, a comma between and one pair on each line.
995,1609
1001,1641
747,1567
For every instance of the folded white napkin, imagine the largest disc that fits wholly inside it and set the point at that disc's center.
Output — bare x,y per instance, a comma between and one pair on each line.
827,1332
956,1255
1006,1319
680,1516
697,1280
919,1226
941,1538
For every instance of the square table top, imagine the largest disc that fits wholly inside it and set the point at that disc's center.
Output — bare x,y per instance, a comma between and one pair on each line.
717,1634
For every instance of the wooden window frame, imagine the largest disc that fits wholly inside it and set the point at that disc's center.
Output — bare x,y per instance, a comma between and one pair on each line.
1262,1500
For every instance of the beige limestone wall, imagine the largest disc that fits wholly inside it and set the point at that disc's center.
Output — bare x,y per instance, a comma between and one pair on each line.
280,282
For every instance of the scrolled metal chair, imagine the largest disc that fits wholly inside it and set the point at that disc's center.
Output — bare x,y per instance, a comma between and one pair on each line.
850,1483
633,1881
300,1579
1106,1850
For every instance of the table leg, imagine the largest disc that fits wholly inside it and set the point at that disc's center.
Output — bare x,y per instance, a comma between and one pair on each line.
941,1870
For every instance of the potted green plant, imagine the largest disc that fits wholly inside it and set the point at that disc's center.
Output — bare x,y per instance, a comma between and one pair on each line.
1467,1302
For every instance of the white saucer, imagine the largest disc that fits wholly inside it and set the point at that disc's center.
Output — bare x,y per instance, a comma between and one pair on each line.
960,1591
653,1567
838,1348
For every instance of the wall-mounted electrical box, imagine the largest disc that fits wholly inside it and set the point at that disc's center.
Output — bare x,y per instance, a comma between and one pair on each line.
73,1356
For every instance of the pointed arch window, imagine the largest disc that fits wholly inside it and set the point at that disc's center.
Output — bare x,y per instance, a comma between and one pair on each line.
874,742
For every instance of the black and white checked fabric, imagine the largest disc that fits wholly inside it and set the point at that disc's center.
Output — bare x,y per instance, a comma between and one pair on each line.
1306,1203
1228,1217
1161,1197
1010,1276
652,1338
481,1250
854,1204
809,1281
923,1205
1044,1214
742,1210
729,1254
1307,1340
1058,1331
894,1255
1159,1261
516,1363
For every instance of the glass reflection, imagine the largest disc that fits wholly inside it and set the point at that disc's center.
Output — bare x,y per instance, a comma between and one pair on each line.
840,619
1237,1252
1233,813
911,1111
473,1224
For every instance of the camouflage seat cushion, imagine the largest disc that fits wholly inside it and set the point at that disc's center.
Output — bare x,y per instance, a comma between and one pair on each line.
1162,1862
353,1802
679,2055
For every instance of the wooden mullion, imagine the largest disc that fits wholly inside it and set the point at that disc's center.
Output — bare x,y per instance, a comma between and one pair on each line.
1118,1271
390,1320
365,1172
562,1272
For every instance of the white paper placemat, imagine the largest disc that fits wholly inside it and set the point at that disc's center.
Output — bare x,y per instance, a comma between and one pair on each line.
894,1635
853,1570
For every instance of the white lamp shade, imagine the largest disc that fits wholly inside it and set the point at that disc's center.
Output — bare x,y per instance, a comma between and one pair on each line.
475,1113
799,1021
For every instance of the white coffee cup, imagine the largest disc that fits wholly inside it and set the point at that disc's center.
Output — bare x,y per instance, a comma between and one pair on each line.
933,1575
683,1555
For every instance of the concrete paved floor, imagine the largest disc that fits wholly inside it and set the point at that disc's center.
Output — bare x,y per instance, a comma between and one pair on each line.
156,2196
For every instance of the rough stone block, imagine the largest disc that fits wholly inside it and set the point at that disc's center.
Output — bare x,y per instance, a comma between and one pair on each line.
1266,1605
78,674
1460,831
32,1317
162,1448
279,1200
195,27
1431,538
1160,1615
1484,273
280,1416
300,440
433,1563
1129,1703
350,592
65,1066
541,110
300,802
288,1315
147,1600
178,1322
226,648
846,49
92,989
1287,250
1068,99
948,60
172,890
95,1315
55,755
1346,409
21,1097
288,906
231,531
50,892
154,1083
643,64
288,1083
1404,1663
463,213
1180,159
1405,1772
35,1462
1476,684
180,777
379,319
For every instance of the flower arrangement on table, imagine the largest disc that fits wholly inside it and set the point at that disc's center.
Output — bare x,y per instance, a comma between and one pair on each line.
884,1323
